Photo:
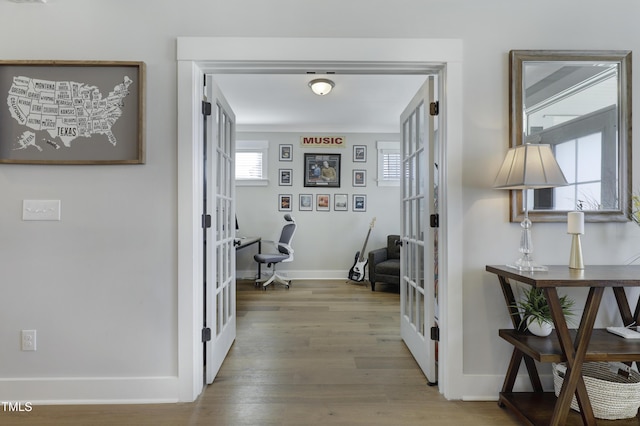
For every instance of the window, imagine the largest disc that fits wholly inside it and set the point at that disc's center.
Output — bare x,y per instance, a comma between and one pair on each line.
389,164
586,150
251,163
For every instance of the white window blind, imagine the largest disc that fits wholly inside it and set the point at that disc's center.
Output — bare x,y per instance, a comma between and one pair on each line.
389,163
248,165
251,163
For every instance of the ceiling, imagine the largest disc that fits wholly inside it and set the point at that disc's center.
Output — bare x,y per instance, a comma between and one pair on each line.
362,103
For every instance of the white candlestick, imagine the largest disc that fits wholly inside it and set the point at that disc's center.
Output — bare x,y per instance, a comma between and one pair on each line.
575,223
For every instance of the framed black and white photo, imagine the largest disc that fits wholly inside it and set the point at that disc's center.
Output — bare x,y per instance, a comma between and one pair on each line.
359,178
286,152
72,112
306,202
322,170
285,177
284,202
359,203
340,202
360,153
322,202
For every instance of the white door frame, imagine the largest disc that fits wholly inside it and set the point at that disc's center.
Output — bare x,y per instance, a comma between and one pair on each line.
200,55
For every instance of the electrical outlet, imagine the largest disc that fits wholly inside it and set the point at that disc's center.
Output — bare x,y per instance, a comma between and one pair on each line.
28,340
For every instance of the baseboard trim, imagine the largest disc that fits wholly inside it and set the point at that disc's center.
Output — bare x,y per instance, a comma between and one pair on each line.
90,390
297,274
481,387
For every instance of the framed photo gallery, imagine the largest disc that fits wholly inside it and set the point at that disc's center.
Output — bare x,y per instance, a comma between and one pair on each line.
321,171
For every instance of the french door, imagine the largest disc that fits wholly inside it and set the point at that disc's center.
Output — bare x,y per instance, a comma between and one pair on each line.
219,328
419,252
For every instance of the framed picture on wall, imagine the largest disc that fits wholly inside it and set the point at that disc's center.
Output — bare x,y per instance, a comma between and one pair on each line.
359,203
359,178
284,202
306,202
340,202
322,170
322,202
285,177
72,112
359,153
286,152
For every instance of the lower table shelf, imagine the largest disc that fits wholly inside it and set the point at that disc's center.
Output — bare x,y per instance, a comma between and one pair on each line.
603,346
536,408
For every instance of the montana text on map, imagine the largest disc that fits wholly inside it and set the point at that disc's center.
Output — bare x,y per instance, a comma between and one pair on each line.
65,109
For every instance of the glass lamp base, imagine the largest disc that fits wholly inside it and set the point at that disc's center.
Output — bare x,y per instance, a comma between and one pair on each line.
526,264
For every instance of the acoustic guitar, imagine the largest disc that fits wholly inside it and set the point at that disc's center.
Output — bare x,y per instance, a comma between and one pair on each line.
356,273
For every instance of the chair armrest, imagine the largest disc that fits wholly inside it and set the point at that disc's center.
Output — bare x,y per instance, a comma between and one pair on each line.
375,256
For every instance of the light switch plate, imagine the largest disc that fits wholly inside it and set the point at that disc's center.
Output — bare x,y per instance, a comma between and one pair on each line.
40,209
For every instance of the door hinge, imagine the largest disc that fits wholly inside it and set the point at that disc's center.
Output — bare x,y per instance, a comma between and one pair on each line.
434,108
434,220
435,334
206,108
206,334
206,221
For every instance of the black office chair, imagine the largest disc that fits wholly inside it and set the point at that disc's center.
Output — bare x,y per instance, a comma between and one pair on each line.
285,254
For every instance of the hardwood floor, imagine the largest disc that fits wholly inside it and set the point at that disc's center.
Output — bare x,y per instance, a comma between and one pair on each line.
320,353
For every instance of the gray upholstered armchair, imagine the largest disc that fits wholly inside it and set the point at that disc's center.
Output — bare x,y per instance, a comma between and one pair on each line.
384,263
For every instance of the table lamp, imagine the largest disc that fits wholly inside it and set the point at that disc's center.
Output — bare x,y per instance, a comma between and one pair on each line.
575,227
529,166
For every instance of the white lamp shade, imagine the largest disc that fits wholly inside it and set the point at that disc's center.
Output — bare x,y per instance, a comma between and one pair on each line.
321,86
575,223
529,166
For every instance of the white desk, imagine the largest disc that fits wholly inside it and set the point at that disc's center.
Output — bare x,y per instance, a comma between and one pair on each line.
243,242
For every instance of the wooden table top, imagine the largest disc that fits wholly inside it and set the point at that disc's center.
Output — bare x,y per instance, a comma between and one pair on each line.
563,276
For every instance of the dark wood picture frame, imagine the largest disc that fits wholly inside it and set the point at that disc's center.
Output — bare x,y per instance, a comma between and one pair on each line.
72,112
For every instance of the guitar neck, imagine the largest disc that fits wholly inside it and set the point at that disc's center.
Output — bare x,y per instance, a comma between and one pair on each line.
364,246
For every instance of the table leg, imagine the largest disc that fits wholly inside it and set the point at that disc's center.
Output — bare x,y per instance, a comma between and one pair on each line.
574,352
623,306
517,356
259,264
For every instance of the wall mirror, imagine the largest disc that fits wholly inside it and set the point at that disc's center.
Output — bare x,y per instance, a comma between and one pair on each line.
579,102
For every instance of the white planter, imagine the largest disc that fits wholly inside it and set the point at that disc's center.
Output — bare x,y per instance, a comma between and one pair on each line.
539,330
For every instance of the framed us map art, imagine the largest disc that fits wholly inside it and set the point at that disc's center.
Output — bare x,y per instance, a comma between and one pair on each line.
72,112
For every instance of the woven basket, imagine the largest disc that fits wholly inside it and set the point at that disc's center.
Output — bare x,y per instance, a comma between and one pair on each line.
613,396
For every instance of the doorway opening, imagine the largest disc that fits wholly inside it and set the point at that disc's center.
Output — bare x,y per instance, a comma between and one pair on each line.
191,70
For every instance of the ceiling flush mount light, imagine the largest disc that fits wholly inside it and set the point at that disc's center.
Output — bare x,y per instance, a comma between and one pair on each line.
321,86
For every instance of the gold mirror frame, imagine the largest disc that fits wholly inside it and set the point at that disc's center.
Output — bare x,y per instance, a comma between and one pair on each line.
517,58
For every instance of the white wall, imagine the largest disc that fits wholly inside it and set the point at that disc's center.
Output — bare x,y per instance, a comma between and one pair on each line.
325,243
100,286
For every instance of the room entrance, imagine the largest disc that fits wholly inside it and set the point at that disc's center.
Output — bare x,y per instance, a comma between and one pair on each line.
198,58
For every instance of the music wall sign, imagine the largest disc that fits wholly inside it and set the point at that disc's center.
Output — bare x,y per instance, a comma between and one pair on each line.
323,141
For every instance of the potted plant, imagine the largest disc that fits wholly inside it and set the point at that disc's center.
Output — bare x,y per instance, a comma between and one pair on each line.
535,312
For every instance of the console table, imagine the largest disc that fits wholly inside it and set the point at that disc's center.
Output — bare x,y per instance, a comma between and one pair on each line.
571,346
